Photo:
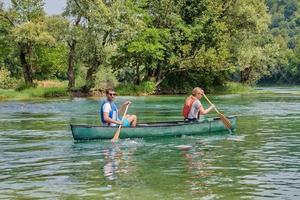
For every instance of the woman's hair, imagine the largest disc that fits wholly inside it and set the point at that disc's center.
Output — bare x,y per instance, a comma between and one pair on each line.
196,90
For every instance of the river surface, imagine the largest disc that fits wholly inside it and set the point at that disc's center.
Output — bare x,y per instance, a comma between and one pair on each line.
261,160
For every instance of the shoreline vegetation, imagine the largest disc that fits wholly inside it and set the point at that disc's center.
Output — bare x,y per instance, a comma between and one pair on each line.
56,89
147,47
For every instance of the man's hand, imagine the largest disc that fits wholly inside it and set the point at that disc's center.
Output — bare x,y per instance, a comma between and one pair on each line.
127,103
119,122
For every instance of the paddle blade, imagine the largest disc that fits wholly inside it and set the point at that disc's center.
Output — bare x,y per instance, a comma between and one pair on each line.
225,121
116,136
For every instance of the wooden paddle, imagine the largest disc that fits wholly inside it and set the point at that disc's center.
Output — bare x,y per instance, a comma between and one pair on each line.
224,119
116,136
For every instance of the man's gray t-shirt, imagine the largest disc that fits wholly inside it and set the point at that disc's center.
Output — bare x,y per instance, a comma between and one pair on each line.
193,114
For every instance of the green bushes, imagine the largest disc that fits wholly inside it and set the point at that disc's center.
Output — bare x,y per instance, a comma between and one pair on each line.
30,93
105,79
233,88
6,81
55,92
145,88
45,92
23,86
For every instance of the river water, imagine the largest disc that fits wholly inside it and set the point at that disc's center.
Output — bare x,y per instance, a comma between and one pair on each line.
261,160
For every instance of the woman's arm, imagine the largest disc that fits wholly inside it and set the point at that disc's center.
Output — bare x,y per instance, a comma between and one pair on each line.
205,111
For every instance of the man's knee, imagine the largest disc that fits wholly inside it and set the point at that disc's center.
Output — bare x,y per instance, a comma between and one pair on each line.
134,117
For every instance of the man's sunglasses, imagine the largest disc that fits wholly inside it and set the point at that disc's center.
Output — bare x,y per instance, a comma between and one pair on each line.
112,94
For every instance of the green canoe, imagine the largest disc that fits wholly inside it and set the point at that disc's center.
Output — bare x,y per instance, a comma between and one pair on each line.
152,129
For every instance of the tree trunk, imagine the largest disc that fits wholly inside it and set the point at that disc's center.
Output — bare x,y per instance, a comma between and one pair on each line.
27,70
95,63
138,76
71,57
245,76
91,75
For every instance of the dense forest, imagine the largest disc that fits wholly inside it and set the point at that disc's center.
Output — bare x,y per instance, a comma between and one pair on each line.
164,45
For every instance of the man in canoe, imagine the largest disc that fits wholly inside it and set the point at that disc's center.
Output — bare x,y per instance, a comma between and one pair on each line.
193,108
109,112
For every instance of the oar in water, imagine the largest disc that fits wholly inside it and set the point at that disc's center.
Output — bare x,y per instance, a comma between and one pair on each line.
116,136
224,119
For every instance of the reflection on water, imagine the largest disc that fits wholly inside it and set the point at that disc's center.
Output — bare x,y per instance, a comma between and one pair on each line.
112,158
261,160
118,159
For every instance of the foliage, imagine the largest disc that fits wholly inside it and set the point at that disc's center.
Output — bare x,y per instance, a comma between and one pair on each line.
6,81
145,88
51,84
151,45
34,93
55,92
233,88
23,86
105,79
51,62
44,92
285,27
26,31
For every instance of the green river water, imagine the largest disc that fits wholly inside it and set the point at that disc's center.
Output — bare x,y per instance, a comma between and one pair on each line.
261,160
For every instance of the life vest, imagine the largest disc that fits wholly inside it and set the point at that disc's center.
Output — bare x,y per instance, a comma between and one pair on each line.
110,114
187,106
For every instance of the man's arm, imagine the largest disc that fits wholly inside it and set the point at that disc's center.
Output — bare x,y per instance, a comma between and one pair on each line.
123,107
107,119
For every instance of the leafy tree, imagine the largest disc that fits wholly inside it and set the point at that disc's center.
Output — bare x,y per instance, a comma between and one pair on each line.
73,10
285,28
27,32
252,48
179,36
7,52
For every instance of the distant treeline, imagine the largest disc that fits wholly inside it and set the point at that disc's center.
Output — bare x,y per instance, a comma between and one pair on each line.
174,44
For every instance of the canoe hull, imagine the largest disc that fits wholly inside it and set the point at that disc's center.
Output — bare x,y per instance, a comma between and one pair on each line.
158,129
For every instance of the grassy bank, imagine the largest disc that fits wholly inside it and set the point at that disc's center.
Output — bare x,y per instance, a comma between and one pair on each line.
122,90
31,93
148,88
233,88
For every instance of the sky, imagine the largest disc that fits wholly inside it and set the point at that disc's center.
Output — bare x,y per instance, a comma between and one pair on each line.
52,7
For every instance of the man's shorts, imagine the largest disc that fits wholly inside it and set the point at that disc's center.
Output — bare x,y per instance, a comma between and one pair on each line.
126,122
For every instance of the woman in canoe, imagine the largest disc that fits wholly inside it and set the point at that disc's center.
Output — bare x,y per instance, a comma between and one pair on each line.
109,112
193,108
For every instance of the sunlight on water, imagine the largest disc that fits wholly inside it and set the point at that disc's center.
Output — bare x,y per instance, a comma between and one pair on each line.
260,160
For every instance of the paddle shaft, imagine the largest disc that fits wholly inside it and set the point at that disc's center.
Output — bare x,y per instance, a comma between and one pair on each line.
210,103
116,136
224,119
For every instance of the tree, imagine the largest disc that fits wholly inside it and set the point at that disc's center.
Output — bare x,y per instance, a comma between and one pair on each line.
179,36
285,28
27,32
252,48
73,10
29,36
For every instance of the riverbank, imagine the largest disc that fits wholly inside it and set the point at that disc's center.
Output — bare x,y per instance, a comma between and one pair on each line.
54,92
